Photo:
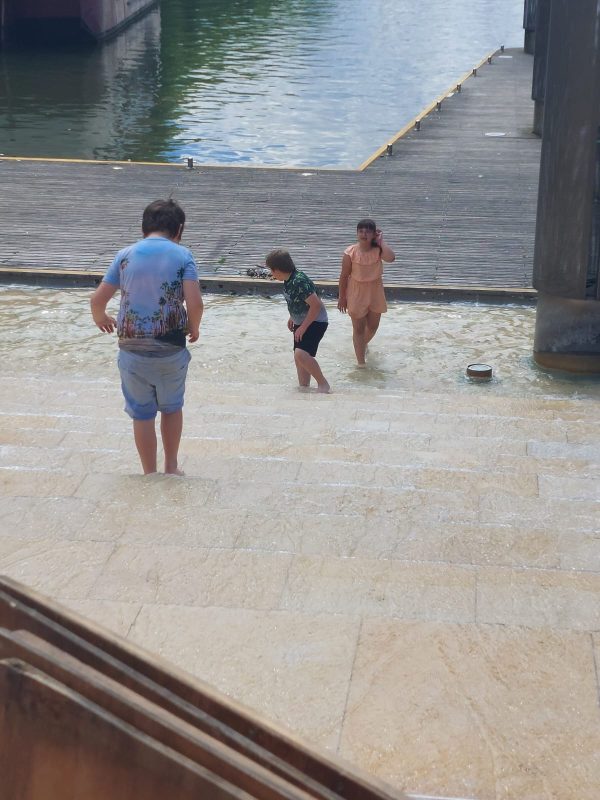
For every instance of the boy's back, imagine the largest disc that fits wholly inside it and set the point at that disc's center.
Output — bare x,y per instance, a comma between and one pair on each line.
160,303
150,274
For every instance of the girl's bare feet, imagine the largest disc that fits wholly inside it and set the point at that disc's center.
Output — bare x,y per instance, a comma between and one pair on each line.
179,472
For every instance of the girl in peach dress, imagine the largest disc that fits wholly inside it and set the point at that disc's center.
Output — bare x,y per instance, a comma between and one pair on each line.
361,291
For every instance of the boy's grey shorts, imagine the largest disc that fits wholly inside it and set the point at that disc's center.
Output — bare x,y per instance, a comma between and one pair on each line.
153,384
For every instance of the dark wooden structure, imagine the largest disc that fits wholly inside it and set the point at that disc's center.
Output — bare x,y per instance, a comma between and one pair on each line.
529,24
56,21
84,714
540,64
567,251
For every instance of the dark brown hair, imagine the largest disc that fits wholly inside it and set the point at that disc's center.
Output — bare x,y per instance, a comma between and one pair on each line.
370,225
280,260
163,216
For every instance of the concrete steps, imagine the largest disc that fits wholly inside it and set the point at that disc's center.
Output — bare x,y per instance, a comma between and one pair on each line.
362,567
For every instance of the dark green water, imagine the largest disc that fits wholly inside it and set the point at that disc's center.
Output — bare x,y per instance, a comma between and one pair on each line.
295,82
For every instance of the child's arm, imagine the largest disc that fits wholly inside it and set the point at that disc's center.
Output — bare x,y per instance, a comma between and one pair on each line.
194,306
315,304
387,254
343,286
98,302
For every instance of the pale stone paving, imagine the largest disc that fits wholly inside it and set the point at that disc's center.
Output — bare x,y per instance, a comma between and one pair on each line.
406,571
408,577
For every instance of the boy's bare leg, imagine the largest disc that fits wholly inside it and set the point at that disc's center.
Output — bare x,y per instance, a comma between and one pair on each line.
359,339
310,365
171,426
144,434
373,320
303,374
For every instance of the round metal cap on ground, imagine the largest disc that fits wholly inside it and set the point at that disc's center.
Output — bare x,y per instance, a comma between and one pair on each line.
481,372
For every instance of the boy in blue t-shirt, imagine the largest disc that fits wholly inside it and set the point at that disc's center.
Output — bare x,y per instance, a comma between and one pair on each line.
308,317
160,303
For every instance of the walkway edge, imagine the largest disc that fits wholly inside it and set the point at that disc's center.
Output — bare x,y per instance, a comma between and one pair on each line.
73,279
428,109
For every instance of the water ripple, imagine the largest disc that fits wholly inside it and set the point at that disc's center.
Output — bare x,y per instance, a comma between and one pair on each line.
420,346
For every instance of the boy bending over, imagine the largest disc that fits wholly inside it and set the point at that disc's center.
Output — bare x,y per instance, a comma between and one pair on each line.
308,317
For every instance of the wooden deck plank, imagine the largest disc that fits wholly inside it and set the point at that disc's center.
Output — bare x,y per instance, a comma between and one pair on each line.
457,206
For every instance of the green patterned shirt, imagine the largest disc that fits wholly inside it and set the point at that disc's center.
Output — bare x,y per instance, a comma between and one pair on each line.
296,290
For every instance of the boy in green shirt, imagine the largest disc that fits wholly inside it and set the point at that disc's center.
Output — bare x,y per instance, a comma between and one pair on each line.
308,317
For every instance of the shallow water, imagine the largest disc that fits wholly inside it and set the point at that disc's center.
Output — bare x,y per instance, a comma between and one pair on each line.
296,82
245,340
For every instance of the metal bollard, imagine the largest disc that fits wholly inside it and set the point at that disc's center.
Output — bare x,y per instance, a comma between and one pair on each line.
190,163
459,87
418,124
389,150
438,105
475,72
489,59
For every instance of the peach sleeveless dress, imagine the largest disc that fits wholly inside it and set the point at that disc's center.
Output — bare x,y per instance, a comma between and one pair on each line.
365,285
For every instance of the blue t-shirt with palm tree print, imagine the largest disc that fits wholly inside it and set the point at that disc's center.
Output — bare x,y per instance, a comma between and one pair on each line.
150,274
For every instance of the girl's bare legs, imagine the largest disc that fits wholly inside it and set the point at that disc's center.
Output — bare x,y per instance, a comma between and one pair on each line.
373,320
363,330
359,340
171,426
144,434
306,366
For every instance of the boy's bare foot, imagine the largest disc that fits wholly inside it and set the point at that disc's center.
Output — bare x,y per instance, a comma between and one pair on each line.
362,366
304,388
324,388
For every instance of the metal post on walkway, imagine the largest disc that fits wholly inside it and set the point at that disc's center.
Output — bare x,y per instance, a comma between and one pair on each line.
540,63
529,15
567,251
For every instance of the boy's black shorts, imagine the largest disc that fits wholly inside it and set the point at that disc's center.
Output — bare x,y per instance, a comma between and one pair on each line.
313,335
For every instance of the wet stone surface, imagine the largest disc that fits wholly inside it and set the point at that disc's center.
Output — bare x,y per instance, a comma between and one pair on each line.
406,571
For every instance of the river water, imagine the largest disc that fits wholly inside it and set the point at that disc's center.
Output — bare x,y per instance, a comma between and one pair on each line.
272,82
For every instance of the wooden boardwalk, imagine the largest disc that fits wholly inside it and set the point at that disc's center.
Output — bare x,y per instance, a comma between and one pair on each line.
456,203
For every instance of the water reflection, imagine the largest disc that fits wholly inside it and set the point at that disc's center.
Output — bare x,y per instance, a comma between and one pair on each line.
420,346
301,82
79,101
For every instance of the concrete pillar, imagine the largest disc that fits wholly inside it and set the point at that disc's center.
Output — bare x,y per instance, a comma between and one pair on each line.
540,63
529,15
566,259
